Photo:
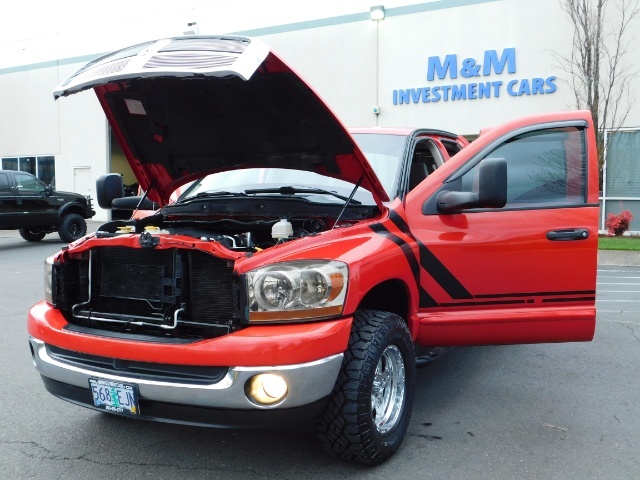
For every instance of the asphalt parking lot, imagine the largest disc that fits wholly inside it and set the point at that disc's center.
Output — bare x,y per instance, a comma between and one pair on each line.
562,411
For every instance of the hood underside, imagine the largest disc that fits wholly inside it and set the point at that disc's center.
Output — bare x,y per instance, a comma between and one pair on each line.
182,108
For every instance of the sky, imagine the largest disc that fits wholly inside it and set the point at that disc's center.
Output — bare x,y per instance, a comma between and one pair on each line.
33,31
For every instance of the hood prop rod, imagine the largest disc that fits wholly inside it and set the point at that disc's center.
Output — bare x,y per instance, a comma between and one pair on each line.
346,204
142,199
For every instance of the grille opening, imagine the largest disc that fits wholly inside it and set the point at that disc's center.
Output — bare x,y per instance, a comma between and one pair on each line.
171,292
144,370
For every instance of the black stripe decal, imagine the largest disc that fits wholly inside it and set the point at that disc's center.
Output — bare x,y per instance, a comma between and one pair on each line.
426,300
577,299
432,265
468,304
538,294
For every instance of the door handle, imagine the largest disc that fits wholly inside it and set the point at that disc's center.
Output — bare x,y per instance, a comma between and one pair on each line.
569,234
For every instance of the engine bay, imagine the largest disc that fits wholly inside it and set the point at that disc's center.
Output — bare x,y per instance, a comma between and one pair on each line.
244,225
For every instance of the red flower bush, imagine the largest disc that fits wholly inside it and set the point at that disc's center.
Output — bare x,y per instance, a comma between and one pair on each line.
618,224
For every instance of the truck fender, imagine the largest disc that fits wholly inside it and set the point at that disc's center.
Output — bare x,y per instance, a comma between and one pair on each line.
71,208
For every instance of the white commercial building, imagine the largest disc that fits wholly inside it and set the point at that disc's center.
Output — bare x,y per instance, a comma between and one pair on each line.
457,65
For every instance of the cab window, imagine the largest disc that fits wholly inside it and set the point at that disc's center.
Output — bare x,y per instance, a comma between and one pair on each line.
29,185
544,167
4,184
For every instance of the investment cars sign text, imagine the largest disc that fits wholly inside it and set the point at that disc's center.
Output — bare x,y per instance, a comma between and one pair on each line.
478,88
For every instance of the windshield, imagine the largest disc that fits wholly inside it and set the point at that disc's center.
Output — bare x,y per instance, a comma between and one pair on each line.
247,179
383,152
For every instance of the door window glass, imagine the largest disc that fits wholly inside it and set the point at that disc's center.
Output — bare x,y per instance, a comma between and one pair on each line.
4,184
29,185
543,167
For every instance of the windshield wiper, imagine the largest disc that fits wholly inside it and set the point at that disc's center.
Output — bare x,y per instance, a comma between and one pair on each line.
293,190
212,195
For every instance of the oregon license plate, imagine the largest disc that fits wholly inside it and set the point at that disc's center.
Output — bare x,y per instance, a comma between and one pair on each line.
116,397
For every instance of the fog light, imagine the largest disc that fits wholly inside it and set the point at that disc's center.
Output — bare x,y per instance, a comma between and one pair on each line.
266,389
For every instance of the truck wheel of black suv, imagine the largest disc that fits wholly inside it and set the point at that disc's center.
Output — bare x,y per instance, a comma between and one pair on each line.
72,227
31,235
368,412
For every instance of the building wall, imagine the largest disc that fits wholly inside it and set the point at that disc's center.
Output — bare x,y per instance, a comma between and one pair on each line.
73,129
29,117
340,61
353,62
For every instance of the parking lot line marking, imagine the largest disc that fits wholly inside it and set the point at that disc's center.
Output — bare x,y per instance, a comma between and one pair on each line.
619,271
615,276
619,291
620,301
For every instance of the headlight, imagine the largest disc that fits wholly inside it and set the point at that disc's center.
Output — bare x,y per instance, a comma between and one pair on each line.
49,279
298,290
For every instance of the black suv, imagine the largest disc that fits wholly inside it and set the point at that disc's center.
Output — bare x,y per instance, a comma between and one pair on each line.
36,209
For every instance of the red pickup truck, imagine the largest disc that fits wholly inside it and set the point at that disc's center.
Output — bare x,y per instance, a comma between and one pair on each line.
303,268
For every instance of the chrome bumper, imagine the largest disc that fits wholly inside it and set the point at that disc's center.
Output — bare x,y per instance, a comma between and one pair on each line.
307,382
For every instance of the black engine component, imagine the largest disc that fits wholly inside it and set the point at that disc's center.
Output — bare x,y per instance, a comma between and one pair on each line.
172,292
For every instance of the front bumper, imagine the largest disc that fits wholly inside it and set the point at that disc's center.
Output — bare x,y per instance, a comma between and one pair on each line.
199,416
307,355
223,403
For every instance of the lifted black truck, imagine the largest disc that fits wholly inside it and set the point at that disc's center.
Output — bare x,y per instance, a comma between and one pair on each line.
36,209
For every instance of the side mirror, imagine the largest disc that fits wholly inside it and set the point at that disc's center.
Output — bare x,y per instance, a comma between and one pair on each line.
108,188
492,190
48,190
493,183
133,203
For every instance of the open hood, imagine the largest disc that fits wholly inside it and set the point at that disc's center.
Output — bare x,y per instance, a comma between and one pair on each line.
182,108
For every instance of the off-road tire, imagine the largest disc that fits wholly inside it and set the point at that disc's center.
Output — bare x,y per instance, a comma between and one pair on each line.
347,428
72,227
31,235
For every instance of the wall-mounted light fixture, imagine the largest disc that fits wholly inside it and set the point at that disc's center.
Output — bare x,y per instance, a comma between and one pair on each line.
377,12
192,29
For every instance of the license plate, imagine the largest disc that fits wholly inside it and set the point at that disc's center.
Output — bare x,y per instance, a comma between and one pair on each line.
116,397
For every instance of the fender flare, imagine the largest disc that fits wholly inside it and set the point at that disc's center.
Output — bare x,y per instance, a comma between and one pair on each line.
71,207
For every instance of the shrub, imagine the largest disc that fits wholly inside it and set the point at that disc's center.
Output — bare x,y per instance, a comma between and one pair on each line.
618,224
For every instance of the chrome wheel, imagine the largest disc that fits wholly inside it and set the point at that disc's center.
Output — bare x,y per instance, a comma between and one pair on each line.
387,394
368,412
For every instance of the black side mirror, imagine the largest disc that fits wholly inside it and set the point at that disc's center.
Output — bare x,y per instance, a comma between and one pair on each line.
492,190
493,183
108,188
48,191
133,203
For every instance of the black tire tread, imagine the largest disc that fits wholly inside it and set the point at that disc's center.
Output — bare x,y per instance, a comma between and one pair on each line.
65,224
345,429
30,235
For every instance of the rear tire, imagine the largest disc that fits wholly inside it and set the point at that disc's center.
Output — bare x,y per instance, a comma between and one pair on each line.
72,227
31,235
368,411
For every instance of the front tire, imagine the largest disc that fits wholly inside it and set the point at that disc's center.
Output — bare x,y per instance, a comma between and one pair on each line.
31,235
368,412
72,227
